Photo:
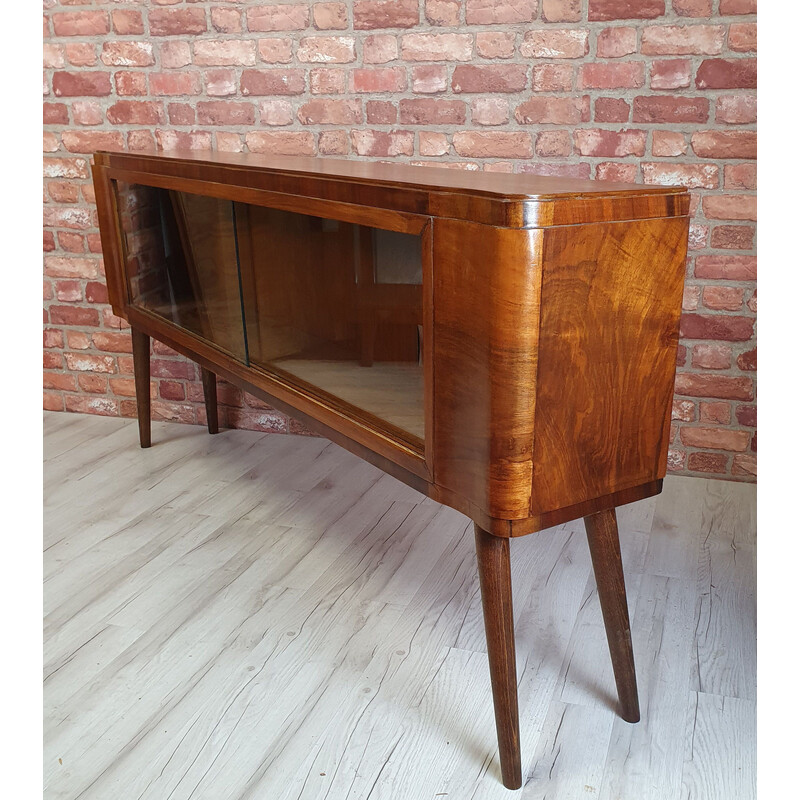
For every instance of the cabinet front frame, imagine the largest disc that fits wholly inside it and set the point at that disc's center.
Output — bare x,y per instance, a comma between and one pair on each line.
356,424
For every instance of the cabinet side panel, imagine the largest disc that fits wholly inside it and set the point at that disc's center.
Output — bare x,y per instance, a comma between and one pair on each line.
110,239
486,289
611,304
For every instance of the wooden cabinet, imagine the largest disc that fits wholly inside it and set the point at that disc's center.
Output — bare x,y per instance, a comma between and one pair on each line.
505,344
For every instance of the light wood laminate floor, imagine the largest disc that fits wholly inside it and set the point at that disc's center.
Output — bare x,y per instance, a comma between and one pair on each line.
260,616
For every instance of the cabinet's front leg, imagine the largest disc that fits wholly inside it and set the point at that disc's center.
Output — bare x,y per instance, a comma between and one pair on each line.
601,530
141,375
494,568
210,396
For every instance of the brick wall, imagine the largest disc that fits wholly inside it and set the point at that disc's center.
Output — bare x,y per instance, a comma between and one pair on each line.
656,91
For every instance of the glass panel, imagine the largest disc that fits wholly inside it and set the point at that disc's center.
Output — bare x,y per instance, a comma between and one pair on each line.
338,306
181,262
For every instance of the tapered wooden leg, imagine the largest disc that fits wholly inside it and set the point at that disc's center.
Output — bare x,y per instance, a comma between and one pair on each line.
141,374
601,530
210,396
494,568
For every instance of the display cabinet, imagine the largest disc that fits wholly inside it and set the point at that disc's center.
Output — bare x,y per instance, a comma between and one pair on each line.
505,344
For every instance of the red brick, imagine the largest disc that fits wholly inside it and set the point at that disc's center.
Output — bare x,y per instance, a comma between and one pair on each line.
444,13
493,144
718,413
733,237
726,73
74,315
676,460
276,112
372,14
130,84
740,176
582,171
744,464
680,40
716,463
437,47
736,109
500,12
174,83
127,54
490,111
726,267
327,81
732,206
670,109
224,53
553,110
668,143
553,78
90,141
723,298
219,83
81,23
55,114
284,143
683,410
603,10
616,172
622,75
383,143
692,8
712,356
183,140
673,74
81,84
553,144
175,54
75,218
223,112
547,43
177,21
747,361
96,292
599,142
379,48
692,176
742,37
381,112
127,22
427,111
495,44
736,7
72,242
330,112
746,415
229,142
52,56
429,78
378,79
141,140
715,438
273,81
326,49
330,16
561,10
718,327
226,20
616,42
69,291
491,78
275,51
136,112
49,244
433,144
81,54
724,144
87,112
95,384
611,109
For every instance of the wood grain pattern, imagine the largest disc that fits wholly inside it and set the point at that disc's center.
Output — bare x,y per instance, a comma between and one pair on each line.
611,298
209,380
141,372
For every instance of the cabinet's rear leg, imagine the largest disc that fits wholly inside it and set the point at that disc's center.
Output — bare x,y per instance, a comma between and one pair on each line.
141,375
210,396
601,530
